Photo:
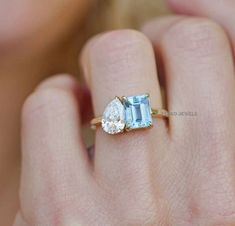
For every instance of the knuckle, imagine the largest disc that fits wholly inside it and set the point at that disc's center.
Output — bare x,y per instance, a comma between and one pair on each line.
120,53
57,81
199,36
145,210
117,50
44,102
115,39
150,216
55,211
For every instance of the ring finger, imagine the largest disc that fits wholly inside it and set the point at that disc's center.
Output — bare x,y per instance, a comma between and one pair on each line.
122,63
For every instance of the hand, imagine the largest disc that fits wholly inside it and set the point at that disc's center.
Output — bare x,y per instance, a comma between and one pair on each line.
178,173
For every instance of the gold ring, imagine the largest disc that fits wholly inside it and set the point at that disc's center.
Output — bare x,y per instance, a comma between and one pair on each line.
128,113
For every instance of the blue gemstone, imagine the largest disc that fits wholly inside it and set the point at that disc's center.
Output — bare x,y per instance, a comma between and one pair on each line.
137,112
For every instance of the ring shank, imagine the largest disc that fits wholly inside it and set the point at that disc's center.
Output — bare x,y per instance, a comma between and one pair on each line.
156,113
160,113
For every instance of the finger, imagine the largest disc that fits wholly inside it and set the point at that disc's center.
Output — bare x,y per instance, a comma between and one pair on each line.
122,63
80,91
19,221
55,164
155,30
220,11
200,78
203,34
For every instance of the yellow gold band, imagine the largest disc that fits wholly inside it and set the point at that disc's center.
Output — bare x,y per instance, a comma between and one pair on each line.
156,113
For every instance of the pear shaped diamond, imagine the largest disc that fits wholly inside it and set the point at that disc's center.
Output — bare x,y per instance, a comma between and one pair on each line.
113,119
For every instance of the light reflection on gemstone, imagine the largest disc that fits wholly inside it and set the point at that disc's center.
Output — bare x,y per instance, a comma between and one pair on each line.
113,119
137,112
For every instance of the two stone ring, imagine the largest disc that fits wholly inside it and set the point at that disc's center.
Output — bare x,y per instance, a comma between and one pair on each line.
128,113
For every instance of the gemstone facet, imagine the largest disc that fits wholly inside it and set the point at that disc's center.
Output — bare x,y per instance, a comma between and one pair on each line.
113,119
137,112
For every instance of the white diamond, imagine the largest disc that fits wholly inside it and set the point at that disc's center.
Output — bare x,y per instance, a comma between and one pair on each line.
113,120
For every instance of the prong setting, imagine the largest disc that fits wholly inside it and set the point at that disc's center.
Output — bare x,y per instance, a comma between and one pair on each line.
128,113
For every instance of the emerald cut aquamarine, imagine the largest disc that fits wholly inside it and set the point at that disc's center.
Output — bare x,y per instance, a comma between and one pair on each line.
137,112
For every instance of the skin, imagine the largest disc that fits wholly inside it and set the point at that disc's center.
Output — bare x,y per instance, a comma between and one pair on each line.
180,172
31,49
